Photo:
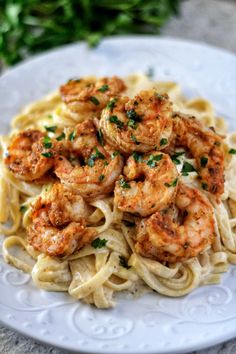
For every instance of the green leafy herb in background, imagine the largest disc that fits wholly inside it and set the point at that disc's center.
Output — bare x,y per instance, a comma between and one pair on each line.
30,26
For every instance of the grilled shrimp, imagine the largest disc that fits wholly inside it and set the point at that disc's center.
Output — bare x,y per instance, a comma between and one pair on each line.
139,124
59,222
27,157
92,169
89,96
163,238
206,147
149,185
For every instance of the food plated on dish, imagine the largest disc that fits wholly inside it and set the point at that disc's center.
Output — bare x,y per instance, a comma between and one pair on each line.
118,184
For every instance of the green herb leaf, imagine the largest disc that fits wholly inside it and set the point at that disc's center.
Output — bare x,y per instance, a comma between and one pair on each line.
123,183
100,137
132,114
203,161
115,153
163,141
23,208
153,159
115,120
232,151
51,129
61,137
205,186
47,154
103,88
94,100
124,262
97,155
134,139
101,178
99,243
72,136
187,167
175,159
137,157
172,184
47,142
112,103
132,124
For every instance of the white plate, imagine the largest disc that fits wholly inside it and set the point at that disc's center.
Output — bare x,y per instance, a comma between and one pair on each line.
152,323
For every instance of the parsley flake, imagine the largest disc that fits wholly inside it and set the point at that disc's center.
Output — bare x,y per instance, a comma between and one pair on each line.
203,161
23,208
134,139
94,100
103,88
175,159
137,157
72,136
101,178
163,141
124,263
115,120
132,124
232,151
99,243
123,183
152,160
47,154
187,167
47,142
51,129
61,137
115,153
100,137
97,155
172,184
112,103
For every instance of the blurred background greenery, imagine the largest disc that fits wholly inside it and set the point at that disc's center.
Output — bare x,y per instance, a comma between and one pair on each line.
31,26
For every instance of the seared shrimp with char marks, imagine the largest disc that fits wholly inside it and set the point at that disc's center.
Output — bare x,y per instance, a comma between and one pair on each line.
93,168
206,147
90,95
28,159
139,124
163,238
149,185
59,222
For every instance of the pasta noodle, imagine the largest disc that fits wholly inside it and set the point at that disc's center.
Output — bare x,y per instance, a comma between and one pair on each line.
93,274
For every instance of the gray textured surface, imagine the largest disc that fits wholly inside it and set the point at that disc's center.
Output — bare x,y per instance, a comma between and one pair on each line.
210,21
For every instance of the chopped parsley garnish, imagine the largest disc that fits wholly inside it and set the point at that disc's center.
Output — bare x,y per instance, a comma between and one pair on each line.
72,136
47,142
94,100
203,161
100,137
159,96
97,155
101,178
232,151
123,183
132,114
105,163
23,208
103,88
137,157
99,243
47,154
172,184
124,263
134,139
152,160
163,141
115,153
187,167
112,103
61,137
51,129
205,186
175,159
50,116
132,124
115,120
